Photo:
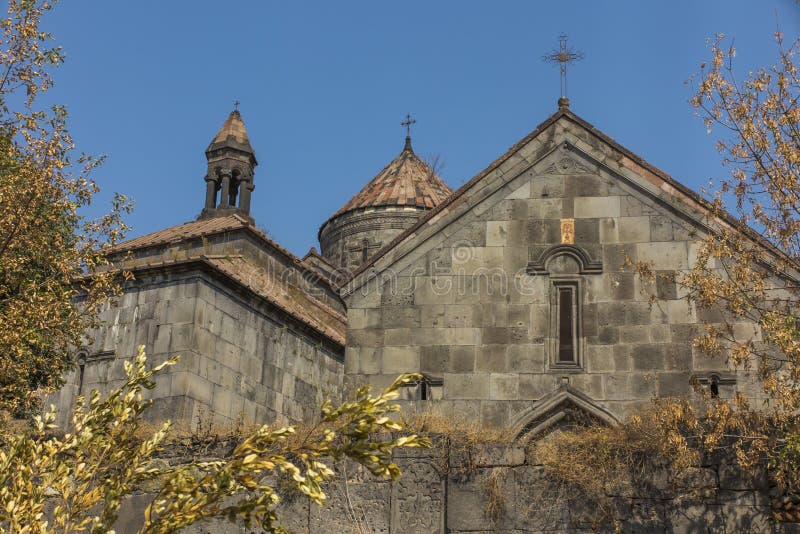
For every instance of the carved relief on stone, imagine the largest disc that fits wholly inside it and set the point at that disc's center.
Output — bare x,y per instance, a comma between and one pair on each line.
568,231
567,166
418,499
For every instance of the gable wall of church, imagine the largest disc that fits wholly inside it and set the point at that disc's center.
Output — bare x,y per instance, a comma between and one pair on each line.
465,306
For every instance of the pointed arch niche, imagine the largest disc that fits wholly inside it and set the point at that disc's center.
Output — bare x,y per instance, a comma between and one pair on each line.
563,408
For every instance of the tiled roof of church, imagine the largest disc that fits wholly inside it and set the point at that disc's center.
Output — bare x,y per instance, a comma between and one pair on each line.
289,298
269,286
405,181
233,133
184,231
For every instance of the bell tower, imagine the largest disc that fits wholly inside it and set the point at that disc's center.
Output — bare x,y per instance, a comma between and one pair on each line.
231,165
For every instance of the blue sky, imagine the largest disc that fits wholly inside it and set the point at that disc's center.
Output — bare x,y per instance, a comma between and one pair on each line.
324,85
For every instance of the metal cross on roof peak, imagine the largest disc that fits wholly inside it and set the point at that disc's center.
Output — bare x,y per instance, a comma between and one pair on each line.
407,124
563,56
236,105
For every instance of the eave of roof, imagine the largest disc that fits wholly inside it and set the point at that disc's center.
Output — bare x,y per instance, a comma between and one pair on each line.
247,276
206,227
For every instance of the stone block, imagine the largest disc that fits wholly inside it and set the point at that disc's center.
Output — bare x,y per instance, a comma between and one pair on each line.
400,359
400,317
459,316
365,506
547,187
503,386
434,359
496,233
417,498
525,358
634,229
673,384
609,230
590,384
587,231
522,191
466,386
535,386
181,311
664,255
648,356
397,336
599,358
193,386
491,358
494,414
433,290
481,502
596,207
462,359
585,185
678,356
660,228
544,231
545,208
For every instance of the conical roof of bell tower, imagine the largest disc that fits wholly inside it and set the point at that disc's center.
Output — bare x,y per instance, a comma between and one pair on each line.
232,134
405,181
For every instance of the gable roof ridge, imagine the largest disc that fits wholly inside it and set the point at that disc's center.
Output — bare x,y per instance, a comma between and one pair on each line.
724,216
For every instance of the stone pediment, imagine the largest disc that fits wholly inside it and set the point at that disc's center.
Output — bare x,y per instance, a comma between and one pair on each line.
563,408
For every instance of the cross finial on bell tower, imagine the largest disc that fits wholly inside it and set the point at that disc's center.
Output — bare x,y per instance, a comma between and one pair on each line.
235,105
563,56
407,125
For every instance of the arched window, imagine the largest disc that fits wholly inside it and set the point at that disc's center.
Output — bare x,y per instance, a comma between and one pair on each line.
565,265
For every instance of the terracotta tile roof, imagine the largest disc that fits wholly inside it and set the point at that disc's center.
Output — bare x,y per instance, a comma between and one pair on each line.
405,181
293,300
232,130
187,230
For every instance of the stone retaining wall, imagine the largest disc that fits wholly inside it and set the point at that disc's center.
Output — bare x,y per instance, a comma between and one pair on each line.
496,488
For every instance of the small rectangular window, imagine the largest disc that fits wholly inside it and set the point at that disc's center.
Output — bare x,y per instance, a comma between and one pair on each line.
565,330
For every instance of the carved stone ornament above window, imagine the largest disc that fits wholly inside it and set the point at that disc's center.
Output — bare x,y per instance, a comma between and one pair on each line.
586,265
567,166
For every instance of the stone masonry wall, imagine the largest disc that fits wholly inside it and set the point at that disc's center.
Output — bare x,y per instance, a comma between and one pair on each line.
471,302
495,487
239,359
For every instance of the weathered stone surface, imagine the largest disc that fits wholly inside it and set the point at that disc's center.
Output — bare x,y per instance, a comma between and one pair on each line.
418,498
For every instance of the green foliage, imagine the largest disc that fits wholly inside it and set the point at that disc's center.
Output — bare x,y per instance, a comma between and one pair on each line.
88,472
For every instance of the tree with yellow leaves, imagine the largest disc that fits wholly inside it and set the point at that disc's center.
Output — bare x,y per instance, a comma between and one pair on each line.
45,243
86,473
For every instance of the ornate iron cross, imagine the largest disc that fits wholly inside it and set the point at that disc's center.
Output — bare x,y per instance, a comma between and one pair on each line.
407,124
563,56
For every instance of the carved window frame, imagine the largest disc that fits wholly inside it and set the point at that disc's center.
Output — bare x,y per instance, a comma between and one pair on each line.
559,283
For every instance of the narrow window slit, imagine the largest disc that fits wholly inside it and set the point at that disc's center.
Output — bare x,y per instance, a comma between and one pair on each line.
566,325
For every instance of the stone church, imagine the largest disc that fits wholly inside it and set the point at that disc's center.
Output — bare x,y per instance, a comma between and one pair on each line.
513,296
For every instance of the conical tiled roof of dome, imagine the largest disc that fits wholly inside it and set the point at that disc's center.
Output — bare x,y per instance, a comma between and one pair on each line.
405,181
